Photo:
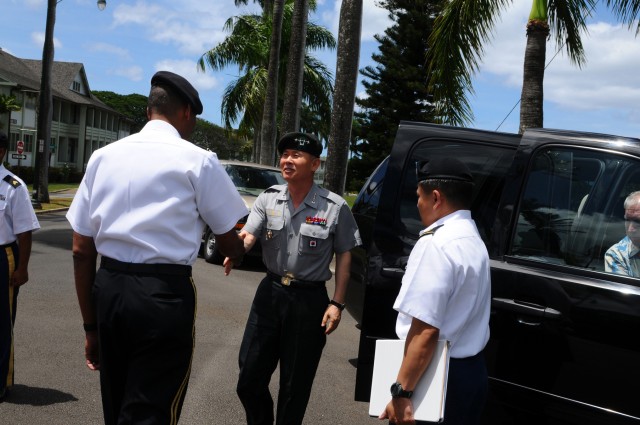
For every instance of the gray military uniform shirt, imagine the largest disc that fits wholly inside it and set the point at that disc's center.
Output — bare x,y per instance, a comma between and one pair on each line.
302,242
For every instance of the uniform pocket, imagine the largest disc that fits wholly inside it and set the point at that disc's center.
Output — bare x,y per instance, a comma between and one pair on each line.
272,234
3,206
314,239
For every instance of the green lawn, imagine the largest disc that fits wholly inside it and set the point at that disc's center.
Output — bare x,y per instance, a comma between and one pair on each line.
56,203
350,198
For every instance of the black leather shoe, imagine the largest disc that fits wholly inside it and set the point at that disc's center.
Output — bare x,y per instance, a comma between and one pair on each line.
3,394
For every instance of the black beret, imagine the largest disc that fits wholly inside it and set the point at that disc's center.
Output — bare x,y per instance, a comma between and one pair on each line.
445,169
181,86
301,142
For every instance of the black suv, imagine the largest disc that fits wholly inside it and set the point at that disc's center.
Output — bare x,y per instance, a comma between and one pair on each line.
565,334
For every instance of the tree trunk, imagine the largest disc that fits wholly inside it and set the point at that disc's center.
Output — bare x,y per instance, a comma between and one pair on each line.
267,143
295,68
344,95
45,113
255,154
267,8
531,101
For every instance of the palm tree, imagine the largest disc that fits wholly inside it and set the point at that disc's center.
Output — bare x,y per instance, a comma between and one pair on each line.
247,46
45,112
456,48
295,67
344,95
627,11
268,128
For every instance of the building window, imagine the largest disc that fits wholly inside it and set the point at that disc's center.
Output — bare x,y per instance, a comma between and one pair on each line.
76,86
28,142
13,141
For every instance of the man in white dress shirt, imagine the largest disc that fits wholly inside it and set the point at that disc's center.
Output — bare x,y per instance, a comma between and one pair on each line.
142,206
445,294
17,222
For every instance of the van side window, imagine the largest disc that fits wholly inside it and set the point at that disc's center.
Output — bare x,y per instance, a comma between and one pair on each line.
571,211
368,199
488,164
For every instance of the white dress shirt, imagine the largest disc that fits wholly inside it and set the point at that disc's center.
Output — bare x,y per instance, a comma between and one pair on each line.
15,209
143,198
447,285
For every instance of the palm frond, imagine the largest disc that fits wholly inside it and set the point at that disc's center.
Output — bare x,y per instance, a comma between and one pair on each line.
567,19
455,50
627,11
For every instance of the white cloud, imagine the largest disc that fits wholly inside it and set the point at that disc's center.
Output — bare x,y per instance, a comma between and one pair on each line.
110,49
38,38
188,70
374,19
133,73
609,79
194,26
33,4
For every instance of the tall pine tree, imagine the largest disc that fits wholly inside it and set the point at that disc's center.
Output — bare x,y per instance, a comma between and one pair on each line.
396,87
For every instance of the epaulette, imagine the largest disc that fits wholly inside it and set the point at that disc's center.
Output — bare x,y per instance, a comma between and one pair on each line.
275,188
333,197
430,232
13,182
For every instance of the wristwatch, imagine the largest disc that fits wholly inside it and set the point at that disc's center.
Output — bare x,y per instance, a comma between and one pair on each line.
337,304
397,391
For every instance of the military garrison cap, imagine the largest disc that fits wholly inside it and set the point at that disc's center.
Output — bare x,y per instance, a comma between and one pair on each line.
181,86
301,142
445,169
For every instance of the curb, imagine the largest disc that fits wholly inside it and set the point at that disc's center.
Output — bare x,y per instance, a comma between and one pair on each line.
38,212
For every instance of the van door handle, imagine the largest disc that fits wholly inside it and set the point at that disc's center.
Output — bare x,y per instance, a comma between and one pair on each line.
393,272
525,307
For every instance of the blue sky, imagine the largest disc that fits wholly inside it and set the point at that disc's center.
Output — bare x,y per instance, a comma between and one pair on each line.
124,45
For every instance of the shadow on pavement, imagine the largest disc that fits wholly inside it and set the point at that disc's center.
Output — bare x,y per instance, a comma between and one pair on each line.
34,396
57,238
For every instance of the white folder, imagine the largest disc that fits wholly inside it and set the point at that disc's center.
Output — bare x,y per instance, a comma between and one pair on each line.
430,392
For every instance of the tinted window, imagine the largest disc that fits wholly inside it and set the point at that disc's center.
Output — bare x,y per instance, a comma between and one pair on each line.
253,180
488,164
369,197
571,211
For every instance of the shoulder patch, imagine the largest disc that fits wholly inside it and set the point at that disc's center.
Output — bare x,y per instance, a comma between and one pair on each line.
13,182
333,197
275,188
430,232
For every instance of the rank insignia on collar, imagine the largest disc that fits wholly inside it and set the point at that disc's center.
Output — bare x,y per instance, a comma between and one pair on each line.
318,221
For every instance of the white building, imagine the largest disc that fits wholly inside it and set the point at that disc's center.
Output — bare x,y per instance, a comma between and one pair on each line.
80,123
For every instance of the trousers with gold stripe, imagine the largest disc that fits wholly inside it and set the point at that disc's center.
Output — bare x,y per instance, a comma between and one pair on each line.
8,304
146,326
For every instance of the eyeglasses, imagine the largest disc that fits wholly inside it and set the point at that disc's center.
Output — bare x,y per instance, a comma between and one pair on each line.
635,221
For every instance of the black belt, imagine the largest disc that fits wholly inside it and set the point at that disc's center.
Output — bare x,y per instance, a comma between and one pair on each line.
8,245
295,283
134,268
470,358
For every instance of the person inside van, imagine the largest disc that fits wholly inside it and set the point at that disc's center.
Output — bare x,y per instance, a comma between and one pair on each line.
624,257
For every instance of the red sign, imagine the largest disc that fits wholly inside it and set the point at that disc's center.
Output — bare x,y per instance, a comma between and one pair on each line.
20,147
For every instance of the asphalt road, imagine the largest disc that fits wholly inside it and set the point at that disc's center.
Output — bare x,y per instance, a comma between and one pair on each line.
53,386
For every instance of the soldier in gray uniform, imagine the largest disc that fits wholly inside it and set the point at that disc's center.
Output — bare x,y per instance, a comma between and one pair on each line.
300,226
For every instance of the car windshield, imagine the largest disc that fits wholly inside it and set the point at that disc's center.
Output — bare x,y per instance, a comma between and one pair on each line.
252,180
